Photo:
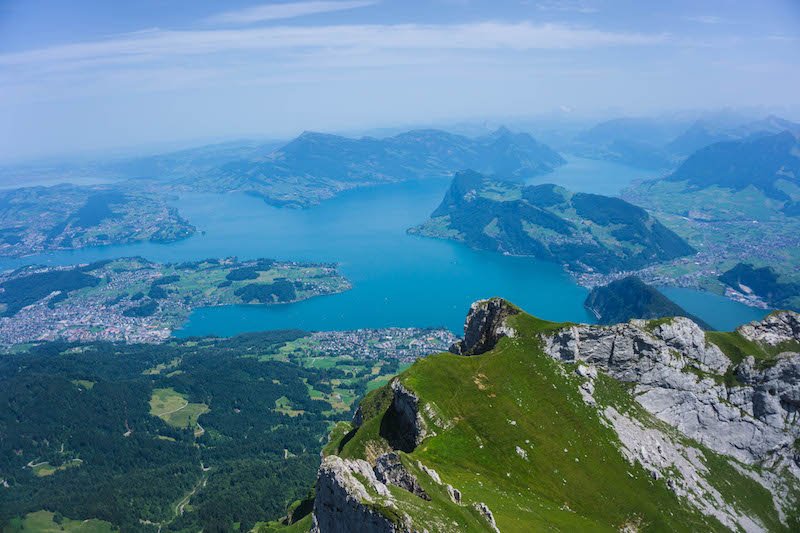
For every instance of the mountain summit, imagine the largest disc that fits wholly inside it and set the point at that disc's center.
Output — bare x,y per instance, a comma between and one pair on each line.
647,425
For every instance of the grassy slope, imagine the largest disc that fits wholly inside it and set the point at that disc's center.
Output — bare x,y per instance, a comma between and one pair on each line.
573,478
42,521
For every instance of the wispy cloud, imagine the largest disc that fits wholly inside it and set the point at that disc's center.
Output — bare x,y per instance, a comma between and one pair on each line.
160,44
706,19
566,6
267,12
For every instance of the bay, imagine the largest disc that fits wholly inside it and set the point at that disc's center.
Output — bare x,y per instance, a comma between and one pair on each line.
398,279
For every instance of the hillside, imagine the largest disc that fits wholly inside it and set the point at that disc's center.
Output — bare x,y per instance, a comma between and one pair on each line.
66,217
770,164
587,232
735,202
716,129
316,166
628,298
201,434
764,283
636,142
531,425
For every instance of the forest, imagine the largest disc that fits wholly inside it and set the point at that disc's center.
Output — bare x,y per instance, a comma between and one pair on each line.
78,435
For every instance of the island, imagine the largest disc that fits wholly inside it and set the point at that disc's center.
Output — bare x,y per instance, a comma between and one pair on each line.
588,233
136,300
67,217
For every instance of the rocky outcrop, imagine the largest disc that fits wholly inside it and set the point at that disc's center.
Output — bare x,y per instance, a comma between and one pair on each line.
776,328
486,513
349,498
389,469
677,376
771,394
485,325
403,426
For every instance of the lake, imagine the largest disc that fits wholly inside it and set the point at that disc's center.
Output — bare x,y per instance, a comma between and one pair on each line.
398,279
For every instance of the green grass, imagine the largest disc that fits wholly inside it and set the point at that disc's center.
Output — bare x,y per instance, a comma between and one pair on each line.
46,469
574,477
174,409
43,522
83,383
283,405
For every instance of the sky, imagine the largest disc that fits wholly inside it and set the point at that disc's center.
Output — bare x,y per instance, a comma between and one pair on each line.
92,75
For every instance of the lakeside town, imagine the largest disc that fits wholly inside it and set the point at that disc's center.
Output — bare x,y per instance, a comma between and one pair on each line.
135,300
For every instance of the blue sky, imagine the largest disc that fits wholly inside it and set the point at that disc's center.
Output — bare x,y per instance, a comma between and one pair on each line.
91,74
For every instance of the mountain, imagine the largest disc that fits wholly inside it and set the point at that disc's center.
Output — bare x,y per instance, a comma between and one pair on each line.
587,232
706,132
531,425
736,202
316,166
763,163
635,142
764,283
628,298
699,135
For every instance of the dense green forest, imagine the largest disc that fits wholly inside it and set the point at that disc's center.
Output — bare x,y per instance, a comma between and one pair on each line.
629,298
79,435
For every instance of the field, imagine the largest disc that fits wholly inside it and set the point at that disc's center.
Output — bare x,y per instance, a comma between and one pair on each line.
43,522
726,227
46,469
174,409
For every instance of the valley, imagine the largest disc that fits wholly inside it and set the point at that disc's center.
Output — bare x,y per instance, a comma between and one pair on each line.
141,427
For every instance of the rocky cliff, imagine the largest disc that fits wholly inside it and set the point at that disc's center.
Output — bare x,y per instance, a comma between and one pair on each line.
636,426
485,325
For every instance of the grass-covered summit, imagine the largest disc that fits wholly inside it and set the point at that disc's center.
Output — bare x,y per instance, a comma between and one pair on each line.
587,232
553,428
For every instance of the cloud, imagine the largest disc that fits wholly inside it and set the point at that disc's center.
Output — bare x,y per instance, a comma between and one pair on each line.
566,6
157,45
706,19
282,11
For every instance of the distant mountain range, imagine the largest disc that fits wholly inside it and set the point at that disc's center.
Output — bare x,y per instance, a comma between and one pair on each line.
660,144
587,232
770,164
316,166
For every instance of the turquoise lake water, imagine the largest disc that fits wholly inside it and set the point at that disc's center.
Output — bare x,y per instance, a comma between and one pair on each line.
398,279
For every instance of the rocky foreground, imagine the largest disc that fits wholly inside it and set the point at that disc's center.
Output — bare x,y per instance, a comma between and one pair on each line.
647,425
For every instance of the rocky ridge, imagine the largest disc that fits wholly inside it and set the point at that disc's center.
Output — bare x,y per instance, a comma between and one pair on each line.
695,400
677,376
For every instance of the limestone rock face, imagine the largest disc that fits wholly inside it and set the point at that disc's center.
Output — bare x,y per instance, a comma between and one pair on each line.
390,470
676,375
345,490
779,327
405,428
771,394
485,325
